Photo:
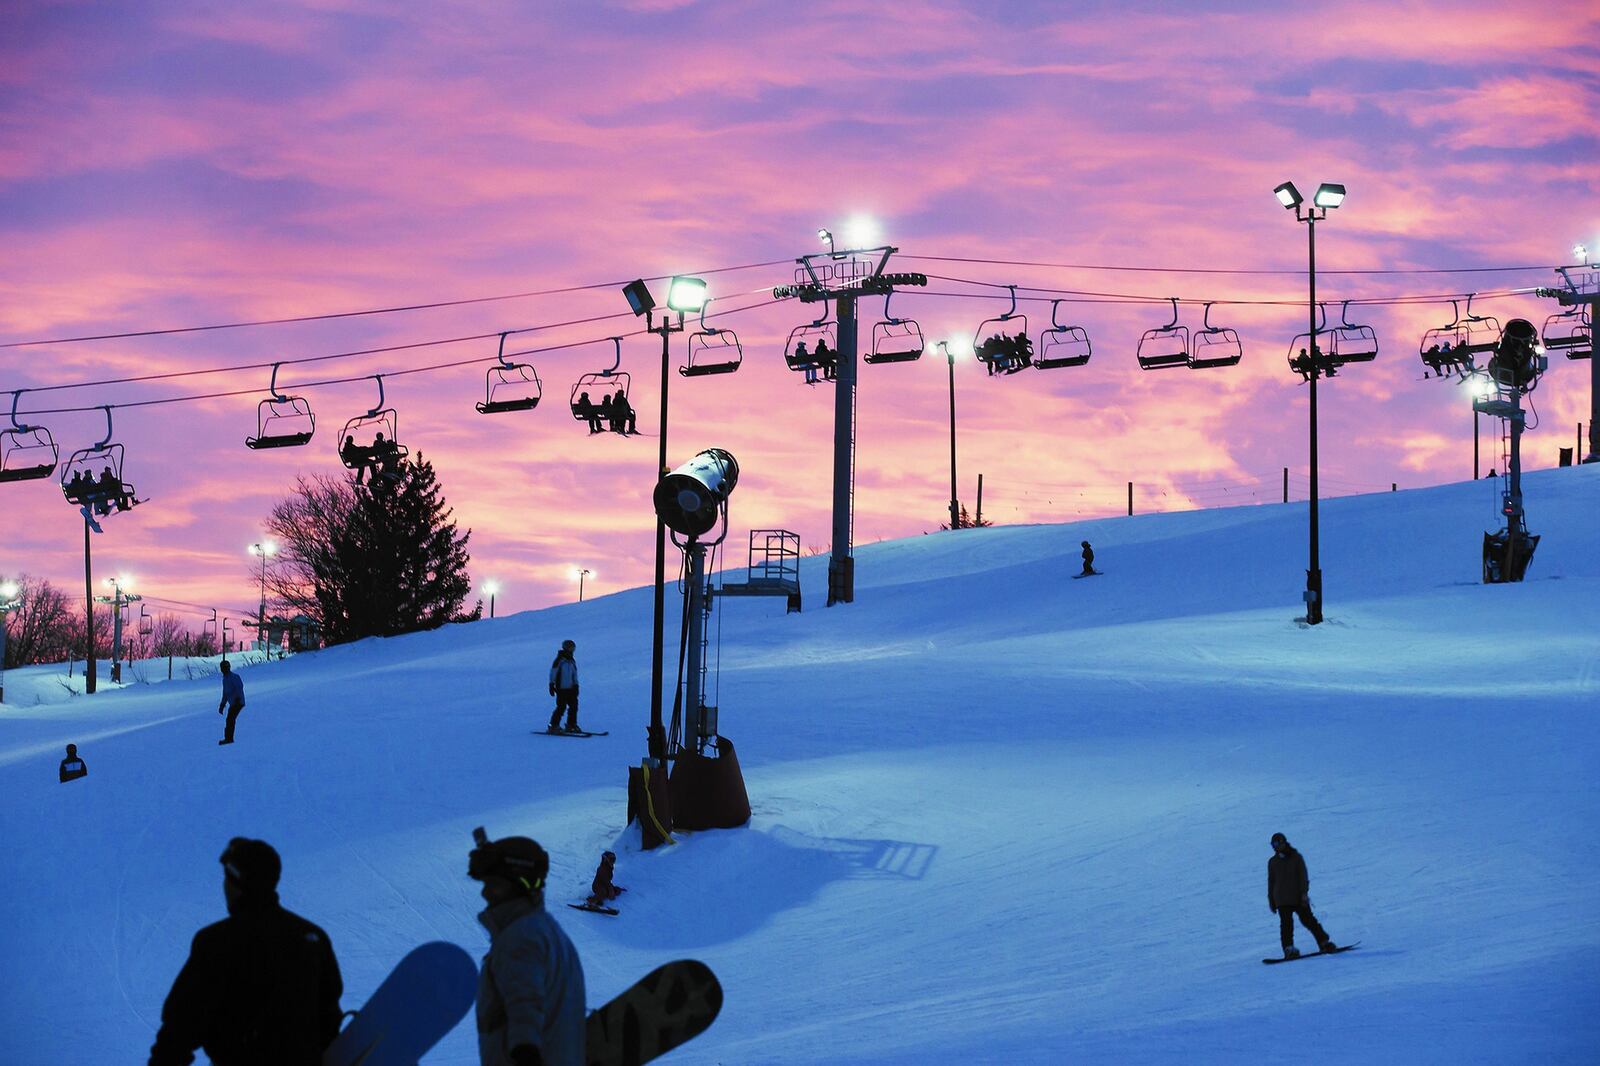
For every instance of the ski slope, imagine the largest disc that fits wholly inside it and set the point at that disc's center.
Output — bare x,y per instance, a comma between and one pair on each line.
1000,816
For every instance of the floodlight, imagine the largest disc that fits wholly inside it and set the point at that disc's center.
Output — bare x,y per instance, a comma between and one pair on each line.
1482,388
639,298
8,590
686,294
861,232
1580,253
491,587
1288,195
825,236
1329,195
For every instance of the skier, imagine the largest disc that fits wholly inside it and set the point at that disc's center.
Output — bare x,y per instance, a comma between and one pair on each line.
601,890
1289,895
260,986
564,687
1088,560
232,698
72,767
530,991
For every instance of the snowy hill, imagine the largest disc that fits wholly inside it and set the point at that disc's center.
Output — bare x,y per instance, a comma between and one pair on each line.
1000,815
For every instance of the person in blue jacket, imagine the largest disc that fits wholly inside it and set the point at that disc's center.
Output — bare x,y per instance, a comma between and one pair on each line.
232,699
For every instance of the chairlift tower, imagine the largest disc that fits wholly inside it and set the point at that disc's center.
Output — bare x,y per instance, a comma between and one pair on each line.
1581,291
842,277
118,600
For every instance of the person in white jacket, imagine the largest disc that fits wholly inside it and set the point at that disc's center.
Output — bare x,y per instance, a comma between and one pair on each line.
564,687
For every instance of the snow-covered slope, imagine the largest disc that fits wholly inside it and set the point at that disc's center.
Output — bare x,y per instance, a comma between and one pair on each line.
1000,815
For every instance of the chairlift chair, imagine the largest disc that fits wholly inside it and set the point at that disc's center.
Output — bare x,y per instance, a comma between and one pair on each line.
1305,351
997,347
27,453
1352,343
590,390
1060,345
712,350
1165,346
895,340
1570,331
147,622
813,349
1450,349
282,421
372,439
91,478
509,386
1214,346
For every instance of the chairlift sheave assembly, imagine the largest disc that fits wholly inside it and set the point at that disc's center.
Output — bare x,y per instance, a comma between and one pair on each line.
372,440
998,347
282,421
27,453
92,478
712,350
1213,346
1061,345
593,397
1165,346
509,386
1569,331
1352,342
813,349
895,340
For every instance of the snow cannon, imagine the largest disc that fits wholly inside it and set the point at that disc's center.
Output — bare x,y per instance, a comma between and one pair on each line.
691,498
1519,358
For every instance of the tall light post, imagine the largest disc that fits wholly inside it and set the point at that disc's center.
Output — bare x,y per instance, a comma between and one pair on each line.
950,358
1328,196
684,294
10,600
491,587
263,550
1481,389
582,573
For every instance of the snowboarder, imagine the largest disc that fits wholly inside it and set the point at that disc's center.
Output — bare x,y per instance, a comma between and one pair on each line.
1088,560
564,687
262,985
601,890
232,698
72,767
530,991
1289,895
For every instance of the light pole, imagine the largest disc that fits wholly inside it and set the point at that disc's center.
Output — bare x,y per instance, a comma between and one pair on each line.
1328,196
1481,389
582,573
684,294
10,600
950,357
263,550
491,587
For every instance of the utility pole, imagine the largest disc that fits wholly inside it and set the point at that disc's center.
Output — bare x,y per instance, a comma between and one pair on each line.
10,600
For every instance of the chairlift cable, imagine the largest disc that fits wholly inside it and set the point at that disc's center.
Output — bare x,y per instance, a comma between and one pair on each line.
373,311
1214,270
1091,296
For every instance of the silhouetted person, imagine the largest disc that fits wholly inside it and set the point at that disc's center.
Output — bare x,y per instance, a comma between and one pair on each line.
622,412
601,890
356,458
232,698
827,359
1088,560
608,413
586,410
804,362
72,767
107,484
261,986
1289,896
564,687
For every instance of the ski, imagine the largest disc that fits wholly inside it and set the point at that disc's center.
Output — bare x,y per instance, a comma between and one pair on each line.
564,733
593,909
1314,954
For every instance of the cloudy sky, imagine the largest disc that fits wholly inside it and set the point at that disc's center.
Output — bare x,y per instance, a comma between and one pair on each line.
174,164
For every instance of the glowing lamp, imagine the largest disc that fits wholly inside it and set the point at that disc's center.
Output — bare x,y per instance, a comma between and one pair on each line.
1329,195
686,294
1288,195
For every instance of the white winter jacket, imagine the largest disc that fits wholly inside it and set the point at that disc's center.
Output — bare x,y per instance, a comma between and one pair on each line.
564,672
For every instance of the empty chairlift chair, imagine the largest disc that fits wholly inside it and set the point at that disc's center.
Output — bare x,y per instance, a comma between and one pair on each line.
813,349
509,386
1570,331
371,441
1165,346
282,421
1352,343
1002,343
92,479
1213,346
27,453
1062,346
895,340
594,398
712,350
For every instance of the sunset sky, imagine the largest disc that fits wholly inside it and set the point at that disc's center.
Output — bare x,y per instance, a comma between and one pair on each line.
174,164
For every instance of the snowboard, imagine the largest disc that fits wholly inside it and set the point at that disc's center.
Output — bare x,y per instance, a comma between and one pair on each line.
1092,573
421,1000
670,1006
1314,954
564,733
594,908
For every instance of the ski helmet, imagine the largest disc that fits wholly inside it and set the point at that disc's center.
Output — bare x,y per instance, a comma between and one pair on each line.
252,865
1279,838
567,645
517,859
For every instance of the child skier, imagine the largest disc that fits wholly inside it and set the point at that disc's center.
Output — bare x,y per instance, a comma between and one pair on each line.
564,687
